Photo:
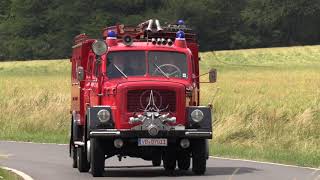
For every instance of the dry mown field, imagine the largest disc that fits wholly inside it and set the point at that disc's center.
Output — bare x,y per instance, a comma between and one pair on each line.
267,106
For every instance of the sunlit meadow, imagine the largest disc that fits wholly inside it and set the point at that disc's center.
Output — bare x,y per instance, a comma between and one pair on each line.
266,103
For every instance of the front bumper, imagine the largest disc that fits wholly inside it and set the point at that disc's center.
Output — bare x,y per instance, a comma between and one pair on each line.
187,133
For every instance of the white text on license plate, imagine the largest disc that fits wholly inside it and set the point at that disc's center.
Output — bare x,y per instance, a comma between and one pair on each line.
152,142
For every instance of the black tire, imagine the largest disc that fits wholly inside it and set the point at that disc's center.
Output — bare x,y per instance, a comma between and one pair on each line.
156,161
169,159
184,160
199,159
82,161
74,157
72,149
97,158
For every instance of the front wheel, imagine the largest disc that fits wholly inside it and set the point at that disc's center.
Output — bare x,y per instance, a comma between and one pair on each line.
169,159
199,156
183,160
82,162
97,158
156,157
156,161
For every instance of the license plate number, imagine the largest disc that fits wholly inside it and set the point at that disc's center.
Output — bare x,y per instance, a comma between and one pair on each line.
152,142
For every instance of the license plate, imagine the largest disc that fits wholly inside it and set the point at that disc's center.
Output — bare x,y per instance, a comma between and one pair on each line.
152,142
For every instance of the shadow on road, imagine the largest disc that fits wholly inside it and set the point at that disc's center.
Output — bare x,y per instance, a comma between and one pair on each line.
149,171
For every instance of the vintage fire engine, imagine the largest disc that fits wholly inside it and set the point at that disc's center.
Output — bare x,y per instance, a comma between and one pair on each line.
135,93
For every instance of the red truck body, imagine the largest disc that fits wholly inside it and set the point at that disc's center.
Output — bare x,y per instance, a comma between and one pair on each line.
112,108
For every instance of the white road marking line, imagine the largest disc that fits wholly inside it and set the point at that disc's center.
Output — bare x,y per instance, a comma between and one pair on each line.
34,143
262,162
234,172
5,155
22,174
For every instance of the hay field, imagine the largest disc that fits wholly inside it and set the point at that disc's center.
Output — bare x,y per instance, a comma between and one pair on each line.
267,106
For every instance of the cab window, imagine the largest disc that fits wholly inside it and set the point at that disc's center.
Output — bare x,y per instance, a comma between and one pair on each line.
126,63
170,64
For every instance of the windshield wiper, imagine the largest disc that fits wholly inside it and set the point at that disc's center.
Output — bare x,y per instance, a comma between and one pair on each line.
163,73
123,74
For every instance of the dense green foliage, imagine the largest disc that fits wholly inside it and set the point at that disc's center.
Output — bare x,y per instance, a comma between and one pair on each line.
44,29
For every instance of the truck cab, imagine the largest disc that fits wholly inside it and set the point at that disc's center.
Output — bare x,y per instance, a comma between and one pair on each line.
136,93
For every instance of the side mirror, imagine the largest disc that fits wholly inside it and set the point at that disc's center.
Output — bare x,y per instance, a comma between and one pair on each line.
213,75
80,73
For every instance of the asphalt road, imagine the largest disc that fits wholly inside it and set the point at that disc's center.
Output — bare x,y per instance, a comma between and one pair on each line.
51,162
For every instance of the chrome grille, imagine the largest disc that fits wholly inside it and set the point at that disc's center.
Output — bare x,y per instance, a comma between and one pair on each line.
137,100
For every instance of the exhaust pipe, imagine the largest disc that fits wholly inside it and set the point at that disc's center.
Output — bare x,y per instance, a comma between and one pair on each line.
149,28
159,28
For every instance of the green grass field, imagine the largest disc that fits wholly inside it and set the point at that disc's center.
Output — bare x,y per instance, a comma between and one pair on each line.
6,175
267,105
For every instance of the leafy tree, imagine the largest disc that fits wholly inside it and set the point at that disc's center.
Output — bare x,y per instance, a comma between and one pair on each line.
44,29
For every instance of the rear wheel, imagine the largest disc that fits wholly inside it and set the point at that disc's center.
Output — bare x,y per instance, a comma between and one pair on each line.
199,156
184,160
74,157
82,162
72,148
169,159
97,158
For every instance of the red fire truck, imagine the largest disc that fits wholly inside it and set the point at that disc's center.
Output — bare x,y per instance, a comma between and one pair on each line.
135,93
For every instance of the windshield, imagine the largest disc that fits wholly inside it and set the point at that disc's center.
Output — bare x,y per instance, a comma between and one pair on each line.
169,64
133,63
126,63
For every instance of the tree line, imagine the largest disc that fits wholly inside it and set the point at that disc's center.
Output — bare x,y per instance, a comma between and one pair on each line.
44,29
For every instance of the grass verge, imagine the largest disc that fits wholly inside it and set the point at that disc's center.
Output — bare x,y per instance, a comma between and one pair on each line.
269,154
7,175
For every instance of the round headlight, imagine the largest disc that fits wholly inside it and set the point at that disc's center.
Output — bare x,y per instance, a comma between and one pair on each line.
99,47
103,115
197,115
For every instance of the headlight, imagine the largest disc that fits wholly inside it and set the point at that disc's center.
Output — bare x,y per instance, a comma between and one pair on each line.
104,115
99,47
197,115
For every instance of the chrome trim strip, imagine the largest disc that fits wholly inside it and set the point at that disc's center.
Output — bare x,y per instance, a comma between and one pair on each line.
197,133
107,133
79,143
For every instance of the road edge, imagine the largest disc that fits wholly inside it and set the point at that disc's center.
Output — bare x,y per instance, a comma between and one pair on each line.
264,162
19,173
